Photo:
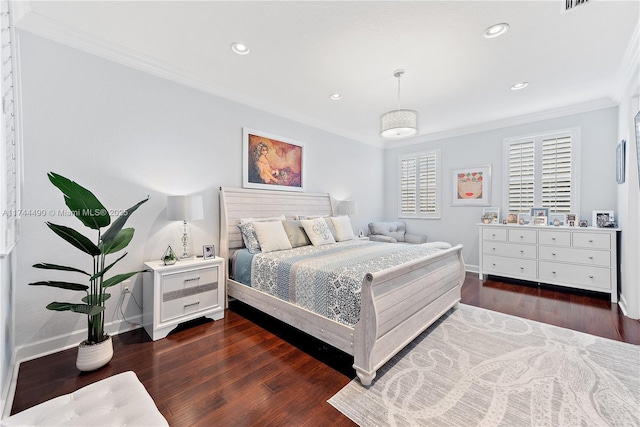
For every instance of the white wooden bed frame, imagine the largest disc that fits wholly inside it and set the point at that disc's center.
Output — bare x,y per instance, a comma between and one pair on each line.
397,303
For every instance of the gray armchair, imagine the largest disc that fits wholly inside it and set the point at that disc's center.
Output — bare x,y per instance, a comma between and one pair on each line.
393,232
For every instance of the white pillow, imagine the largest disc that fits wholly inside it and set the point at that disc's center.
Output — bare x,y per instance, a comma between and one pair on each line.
273,218
271,236
318,231
343,228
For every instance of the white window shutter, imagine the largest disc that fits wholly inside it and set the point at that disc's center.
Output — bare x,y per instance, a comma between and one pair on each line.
556,174
521,179
408,180
419,185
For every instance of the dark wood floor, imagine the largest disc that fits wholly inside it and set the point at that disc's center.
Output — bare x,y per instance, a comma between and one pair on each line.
248,369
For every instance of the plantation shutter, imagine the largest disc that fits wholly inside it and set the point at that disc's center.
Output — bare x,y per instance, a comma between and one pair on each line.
419,196
556,174
521,176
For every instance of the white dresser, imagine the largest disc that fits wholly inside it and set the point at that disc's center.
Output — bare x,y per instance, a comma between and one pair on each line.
173,294
584,258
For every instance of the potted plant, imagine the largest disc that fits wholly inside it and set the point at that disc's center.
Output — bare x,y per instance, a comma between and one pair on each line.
97,350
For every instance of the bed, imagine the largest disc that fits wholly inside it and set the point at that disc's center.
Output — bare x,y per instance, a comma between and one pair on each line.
396,303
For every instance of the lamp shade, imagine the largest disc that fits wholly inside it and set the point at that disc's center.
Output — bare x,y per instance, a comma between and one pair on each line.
349,207
398,124
181,208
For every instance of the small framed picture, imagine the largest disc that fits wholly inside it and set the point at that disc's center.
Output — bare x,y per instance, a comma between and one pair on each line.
570,219
524,218
512,218
583,223
493,213
539,212
539,220
556,219
208,251
603,219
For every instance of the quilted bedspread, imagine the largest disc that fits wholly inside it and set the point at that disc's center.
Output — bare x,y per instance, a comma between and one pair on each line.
327,279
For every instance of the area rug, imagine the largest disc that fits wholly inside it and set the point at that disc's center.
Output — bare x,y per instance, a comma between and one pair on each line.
476,367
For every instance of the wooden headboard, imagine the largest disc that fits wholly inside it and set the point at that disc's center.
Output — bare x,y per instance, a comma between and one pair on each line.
237,203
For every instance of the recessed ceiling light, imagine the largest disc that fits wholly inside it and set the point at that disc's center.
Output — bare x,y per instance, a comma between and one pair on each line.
519,86
335,96
240,48
496,30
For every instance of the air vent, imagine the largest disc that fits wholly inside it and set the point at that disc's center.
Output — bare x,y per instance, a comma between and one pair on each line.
571,4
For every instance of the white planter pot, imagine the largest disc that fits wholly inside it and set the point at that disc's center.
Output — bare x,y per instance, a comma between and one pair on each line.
94,356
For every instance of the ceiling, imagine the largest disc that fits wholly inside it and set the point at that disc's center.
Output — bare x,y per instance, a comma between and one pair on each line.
303,51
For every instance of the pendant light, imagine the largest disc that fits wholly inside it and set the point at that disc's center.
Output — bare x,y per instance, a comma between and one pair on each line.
398,124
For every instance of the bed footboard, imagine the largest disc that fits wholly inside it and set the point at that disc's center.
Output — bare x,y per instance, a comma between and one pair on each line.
399,303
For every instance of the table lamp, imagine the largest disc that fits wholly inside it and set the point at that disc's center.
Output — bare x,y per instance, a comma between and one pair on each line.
184,208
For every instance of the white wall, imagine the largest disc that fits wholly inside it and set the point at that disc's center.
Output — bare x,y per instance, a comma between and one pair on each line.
458,224
124,135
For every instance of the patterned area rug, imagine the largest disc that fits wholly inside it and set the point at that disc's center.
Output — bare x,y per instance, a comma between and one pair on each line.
476,367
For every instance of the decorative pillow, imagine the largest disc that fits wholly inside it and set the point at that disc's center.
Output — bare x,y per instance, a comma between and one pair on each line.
343,228
271,236
295,233
318,231
332,229
273,218
249,237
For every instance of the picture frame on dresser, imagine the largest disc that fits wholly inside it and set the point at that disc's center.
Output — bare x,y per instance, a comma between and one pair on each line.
603,219
208,251
524,218
539,220
560,217
493,213
539,212
570,219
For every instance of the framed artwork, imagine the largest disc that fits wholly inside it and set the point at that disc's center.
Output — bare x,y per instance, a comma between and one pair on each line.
556,216
524,218
603,219
539,212
539,220
493,213
571,219
271,162
620,154
471,186
208,251
512,218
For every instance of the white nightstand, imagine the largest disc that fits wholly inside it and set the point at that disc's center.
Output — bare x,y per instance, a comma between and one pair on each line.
173,294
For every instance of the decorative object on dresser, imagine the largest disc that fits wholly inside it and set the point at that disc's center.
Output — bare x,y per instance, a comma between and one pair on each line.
583,258
185,208
512,218
208,251
493,213
620,159
471,186
539,220
557,219
169,256
524,218
97,350
174,294
539,212
571,219
271,162
603,219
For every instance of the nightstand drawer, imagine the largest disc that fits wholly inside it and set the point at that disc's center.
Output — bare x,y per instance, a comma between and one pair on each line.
577,256
593,278
177,281
555,238
494,234
592,240
523,236
188,292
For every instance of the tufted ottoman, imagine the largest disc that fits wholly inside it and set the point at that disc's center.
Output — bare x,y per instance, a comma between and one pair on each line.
120,400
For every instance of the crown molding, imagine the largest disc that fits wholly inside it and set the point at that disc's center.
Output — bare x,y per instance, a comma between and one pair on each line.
584,107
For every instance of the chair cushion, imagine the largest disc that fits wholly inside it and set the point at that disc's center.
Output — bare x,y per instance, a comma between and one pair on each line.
395,229
120,400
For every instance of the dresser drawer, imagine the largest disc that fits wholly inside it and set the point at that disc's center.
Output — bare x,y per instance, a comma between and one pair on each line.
584,277
576,256
512,267
509,250
523,236
555,238
188,292
592,240
494,234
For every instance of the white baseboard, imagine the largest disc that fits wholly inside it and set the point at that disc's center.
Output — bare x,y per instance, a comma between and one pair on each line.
472,268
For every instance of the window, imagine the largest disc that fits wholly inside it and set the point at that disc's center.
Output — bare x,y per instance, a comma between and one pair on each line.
541,171
420,185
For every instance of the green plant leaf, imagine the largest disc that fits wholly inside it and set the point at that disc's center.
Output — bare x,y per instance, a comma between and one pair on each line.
120,242
46,266
117,225
90,310
119,278
103,272
76,239
83,203
63,285
96,299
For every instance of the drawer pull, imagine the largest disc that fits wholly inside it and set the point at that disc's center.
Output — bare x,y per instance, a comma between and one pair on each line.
493,249
553,272
591,277
590,240
590,257
493,235
553,254
521,252
192,304
521,268
494,264
522,237
191,280
553,238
